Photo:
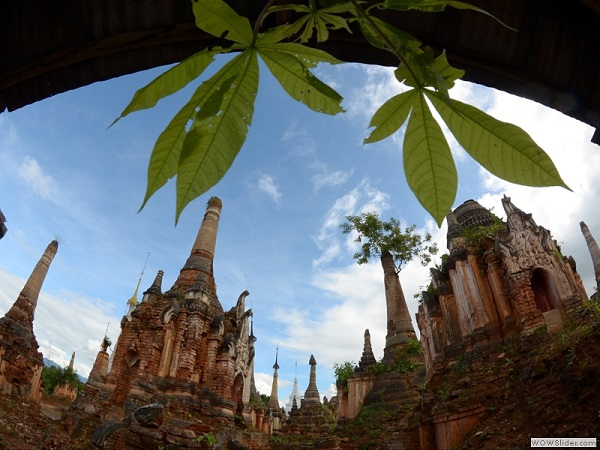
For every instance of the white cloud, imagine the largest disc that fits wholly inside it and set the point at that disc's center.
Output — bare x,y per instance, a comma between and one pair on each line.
39,182
379,85
335,178
264,383
299,140
64,323
267,184
361,199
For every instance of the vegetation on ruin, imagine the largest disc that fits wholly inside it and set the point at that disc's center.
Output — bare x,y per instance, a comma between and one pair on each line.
55,376
403,361
375,422
200,143
342,372
378,237
476,235
209,438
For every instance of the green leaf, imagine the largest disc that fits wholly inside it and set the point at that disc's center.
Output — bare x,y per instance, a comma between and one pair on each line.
310,57
418,69
282,32
419,65
504,149
446,74
167,149
219,19
391,115
318,19
428,163
170,82
299,83
215,138
399,40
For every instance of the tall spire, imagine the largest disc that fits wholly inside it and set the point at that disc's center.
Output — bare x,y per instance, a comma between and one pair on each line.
594,251
72,362
33,286
22,363
274,400
199,265
311,395
133,302
368,358
399,323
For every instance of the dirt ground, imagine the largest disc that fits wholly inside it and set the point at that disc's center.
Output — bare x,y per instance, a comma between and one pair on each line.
25,426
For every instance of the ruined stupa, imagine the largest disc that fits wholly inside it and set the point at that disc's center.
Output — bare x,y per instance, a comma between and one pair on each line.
21,362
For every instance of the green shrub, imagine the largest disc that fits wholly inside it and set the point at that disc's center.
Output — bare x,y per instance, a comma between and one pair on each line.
56,376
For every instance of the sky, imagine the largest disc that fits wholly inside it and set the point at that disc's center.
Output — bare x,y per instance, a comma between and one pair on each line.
65,175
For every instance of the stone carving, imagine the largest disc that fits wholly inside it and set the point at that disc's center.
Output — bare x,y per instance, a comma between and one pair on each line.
512,281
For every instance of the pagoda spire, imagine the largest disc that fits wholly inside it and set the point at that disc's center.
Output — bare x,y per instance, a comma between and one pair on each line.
156,288
23,310
274,400
33,286
20,359
399,323
368,358
71,363
594,251
311,395
199,266
133,301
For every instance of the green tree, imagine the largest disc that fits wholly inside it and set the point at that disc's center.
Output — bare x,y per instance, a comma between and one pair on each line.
55,376
200,143
387,240
394,247
342,372
264,399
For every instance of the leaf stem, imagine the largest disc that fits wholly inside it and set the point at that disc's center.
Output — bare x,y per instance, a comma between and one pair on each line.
382,35
261,17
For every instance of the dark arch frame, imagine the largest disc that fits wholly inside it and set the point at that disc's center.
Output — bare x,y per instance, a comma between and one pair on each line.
50,47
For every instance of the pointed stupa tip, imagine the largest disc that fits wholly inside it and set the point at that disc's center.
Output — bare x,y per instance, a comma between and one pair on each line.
367,334
72,362
33,286
252,337
157,283
312,361
276,366
133,301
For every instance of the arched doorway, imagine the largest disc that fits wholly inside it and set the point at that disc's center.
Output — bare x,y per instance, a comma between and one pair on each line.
238,394
544,292
129,364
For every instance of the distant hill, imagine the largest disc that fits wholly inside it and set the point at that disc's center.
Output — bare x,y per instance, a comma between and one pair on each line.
50,363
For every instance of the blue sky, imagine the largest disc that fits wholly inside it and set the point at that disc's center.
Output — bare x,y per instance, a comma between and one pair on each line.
65,175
